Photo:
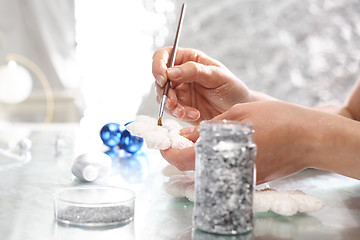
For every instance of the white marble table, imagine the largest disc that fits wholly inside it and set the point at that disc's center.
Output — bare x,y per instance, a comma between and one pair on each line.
26,204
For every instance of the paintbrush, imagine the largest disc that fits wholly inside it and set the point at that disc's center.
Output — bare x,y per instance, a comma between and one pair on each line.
171,63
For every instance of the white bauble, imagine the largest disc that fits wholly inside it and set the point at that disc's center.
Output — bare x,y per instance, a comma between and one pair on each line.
15,83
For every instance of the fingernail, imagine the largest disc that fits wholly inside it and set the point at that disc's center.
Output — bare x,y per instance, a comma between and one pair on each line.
160,80
186,131
177,112
193,114
174,72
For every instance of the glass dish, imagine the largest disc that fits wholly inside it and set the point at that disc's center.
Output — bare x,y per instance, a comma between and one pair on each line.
94,206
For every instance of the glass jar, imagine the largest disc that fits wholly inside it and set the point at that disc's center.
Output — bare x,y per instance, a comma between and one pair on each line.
224,177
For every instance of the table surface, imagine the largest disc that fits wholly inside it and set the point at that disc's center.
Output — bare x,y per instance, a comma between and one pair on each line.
27,210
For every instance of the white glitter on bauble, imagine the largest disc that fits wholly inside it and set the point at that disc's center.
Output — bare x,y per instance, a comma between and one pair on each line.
159,137
286,203
181,186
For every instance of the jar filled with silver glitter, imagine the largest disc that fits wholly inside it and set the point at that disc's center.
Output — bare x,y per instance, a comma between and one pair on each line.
224,177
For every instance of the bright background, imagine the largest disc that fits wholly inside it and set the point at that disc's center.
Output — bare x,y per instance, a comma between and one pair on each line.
97,53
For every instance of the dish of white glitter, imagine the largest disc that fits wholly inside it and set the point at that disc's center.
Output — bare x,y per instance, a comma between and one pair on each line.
159,137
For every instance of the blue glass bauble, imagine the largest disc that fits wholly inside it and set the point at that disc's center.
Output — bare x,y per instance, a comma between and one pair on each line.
130,143
110,134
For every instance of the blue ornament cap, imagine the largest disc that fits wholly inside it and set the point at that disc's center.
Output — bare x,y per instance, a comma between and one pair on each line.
130,143
110,134
128,123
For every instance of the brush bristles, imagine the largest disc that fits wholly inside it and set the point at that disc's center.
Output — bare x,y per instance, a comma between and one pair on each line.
159,121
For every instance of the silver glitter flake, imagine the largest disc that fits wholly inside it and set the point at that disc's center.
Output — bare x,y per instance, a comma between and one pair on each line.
224,180
95,216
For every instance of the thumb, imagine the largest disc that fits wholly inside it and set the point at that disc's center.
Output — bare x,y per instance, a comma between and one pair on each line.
191,133
238,112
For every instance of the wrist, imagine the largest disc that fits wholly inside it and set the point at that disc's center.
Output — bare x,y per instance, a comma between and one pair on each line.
335,109
336,144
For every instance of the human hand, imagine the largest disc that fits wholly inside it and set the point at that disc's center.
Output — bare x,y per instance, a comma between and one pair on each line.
202,87
284,134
